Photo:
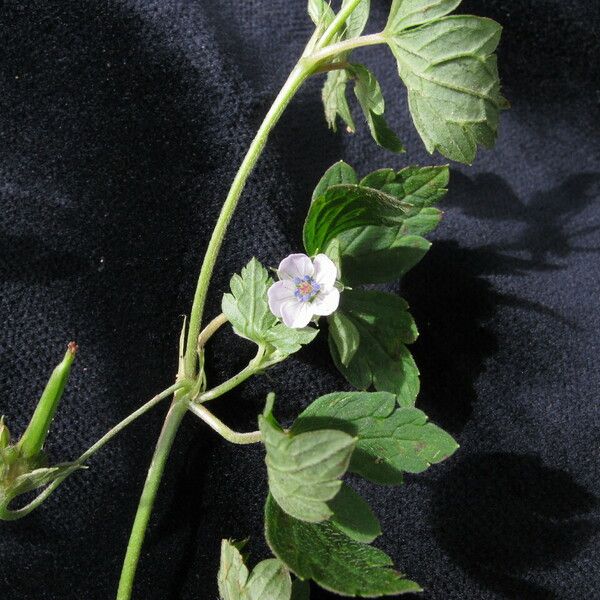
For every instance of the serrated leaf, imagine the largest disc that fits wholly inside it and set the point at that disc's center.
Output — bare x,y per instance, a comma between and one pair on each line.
304,470
357,20
353,516
424,222
408,13
320,13
382,359
334,98
343,207
370,98
391,440
321,552
247,309
345,336
378,254
269,579
450,71
340,172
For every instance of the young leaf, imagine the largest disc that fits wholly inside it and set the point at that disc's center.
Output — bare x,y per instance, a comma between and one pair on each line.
382,359
335,102
353,516
450,71
378,254
357,20
344,207
269,579
407,13
320,551
304,470
391,440
370,98
320,13
247,309
339,173
345,336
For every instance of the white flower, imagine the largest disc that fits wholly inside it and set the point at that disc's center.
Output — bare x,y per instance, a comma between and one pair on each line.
307,288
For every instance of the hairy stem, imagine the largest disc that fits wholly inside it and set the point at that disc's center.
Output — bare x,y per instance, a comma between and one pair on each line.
330,52
338,22
211,329
226,432
138,531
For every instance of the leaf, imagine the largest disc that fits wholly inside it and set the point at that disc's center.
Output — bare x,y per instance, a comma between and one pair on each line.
345,336
320,13
304,470
247,309
450,71
334,99
269,579
391,440
422,223
378,254
357,20
370,98
344,207
353,516
32,480
340,172
418,186
382,360
407,13
321,552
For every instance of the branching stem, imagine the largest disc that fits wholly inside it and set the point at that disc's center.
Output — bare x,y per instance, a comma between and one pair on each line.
231,436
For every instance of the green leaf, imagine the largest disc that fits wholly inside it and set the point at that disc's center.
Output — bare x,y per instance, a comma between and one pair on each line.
450,71
344,207
420,187
378,254
304,470
340,172
320,13
269,579
423,222
370,98
357,20
320,551
391,440
353,516
335,102
382,360
247,309
345,336
407,13
300,590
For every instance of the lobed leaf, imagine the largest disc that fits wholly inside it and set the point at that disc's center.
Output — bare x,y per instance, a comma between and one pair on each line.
382,359
320,551
304,470
391,440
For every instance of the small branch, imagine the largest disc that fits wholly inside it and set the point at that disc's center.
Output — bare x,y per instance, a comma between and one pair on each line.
337,66
227,433
334,50
211,329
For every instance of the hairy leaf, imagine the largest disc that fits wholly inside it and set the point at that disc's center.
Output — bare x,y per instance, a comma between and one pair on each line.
320,551
450,71
334,98
354,516
391,440
247,309
357,20
382,359
370,98
407,13
340,172
304,470
344,207
269,579
321,13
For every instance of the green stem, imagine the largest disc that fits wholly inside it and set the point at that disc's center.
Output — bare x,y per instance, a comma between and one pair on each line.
253,367
138,531
294,81
338,22
211,329
334,50
226,432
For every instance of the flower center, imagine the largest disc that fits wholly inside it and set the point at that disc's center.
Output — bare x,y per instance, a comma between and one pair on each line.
306,288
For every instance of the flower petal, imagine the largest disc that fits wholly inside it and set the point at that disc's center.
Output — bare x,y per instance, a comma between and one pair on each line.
326,302
325,270
296,314
295,265
278,294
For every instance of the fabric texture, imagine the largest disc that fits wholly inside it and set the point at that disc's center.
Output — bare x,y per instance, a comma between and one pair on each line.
121,125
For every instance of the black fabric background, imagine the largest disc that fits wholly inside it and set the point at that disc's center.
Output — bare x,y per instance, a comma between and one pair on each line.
121,125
